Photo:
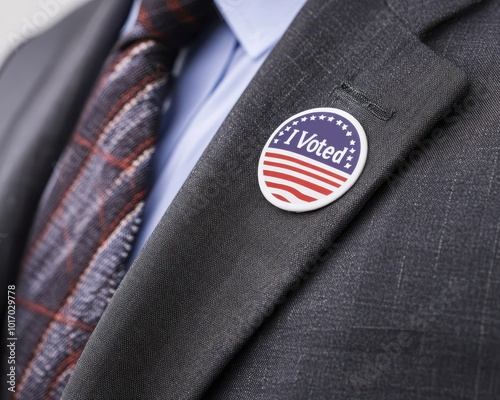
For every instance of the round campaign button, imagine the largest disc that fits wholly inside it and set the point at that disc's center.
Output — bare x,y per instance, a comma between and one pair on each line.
312,159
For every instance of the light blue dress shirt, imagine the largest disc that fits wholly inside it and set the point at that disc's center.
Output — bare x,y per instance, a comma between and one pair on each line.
210,77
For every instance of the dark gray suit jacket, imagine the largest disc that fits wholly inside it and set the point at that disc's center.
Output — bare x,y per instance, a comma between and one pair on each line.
391,292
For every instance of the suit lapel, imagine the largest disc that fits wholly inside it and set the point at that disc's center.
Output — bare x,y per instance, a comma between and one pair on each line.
223,258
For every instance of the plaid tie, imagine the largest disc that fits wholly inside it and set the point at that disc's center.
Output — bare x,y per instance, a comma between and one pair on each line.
91,209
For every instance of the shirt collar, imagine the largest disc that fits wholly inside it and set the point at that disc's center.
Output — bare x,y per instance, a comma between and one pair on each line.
258,24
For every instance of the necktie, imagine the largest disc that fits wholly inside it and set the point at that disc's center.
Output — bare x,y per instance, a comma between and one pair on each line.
91,209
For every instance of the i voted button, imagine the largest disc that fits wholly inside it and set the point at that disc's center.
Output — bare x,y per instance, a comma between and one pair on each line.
312,159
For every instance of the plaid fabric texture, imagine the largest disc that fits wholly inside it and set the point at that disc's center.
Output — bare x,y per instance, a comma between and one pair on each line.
91,209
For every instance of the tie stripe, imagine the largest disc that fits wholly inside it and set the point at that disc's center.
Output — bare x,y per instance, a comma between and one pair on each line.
131,97
67,315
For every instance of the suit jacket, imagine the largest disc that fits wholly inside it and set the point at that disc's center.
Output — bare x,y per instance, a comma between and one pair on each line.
390,292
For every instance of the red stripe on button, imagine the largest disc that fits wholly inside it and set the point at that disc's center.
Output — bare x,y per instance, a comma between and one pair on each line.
306,164
302,182
302,171
295,192
280,197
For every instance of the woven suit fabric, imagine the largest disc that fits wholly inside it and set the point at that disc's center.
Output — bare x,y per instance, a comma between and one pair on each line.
91,209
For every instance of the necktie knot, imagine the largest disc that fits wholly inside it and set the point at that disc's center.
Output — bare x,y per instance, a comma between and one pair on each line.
173,23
